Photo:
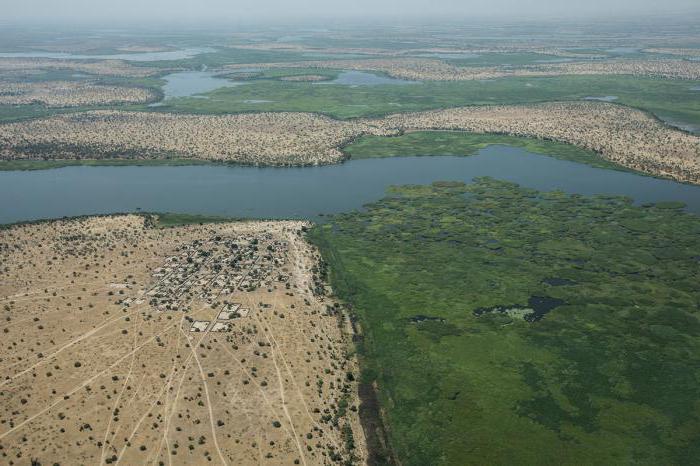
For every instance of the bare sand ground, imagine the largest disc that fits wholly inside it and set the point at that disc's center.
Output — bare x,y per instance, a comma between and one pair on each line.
100,365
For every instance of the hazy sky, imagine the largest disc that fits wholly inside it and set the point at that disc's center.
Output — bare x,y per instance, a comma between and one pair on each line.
297,9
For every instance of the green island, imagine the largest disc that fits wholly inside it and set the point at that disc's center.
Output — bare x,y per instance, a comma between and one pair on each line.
440,143
508,326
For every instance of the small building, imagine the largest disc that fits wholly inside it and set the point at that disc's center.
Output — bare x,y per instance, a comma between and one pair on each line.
199,326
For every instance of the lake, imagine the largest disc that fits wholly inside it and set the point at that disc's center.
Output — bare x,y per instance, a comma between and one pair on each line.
301,192
188,83
136,56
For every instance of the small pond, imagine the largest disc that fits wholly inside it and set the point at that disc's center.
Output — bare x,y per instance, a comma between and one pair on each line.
190,83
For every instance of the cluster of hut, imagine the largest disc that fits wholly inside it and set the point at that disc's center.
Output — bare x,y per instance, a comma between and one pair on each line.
209,272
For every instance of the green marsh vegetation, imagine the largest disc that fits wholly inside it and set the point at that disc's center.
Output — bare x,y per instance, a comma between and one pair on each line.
421,143
672,98
509,326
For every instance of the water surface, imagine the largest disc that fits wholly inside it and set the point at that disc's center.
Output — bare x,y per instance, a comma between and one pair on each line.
680,124
623,50
301,192
135,56
189,83
602,98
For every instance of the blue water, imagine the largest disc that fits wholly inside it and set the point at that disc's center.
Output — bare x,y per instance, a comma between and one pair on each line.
451,55
603,98
136,56
623,50
301,192
680,124
189,83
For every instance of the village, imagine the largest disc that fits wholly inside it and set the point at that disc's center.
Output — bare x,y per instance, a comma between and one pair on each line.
210,272
127,343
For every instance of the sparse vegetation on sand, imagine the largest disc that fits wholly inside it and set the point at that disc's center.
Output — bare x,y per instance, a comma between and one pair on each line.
175,339
628,137
263,138
20,66
427,69
72,94
508,326
621,135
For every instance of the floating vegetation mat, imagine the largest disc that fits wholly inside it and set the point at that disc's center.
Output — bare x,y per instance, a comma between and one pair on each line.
597,360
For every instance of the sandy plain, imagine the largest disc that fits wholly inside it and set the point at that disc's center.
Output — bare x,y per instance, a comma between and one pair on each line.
101,365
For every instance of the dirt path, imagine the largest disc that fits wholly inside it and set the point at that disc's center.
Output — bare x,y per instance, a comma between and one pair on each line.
211,413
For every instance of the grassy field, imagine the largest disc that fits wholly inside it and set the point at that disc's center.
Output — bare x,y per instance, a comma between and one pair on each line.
421,143
658,96
508,326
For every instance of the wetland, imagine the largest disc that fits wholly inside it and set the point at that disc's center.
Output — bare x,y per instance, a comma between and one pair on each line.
596,367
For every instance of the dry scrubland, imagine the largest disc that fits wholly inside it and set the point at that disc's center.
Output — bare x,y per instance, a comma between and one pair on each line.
261,138
20,66
626,136
71,94
100,364
277,46
427,69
